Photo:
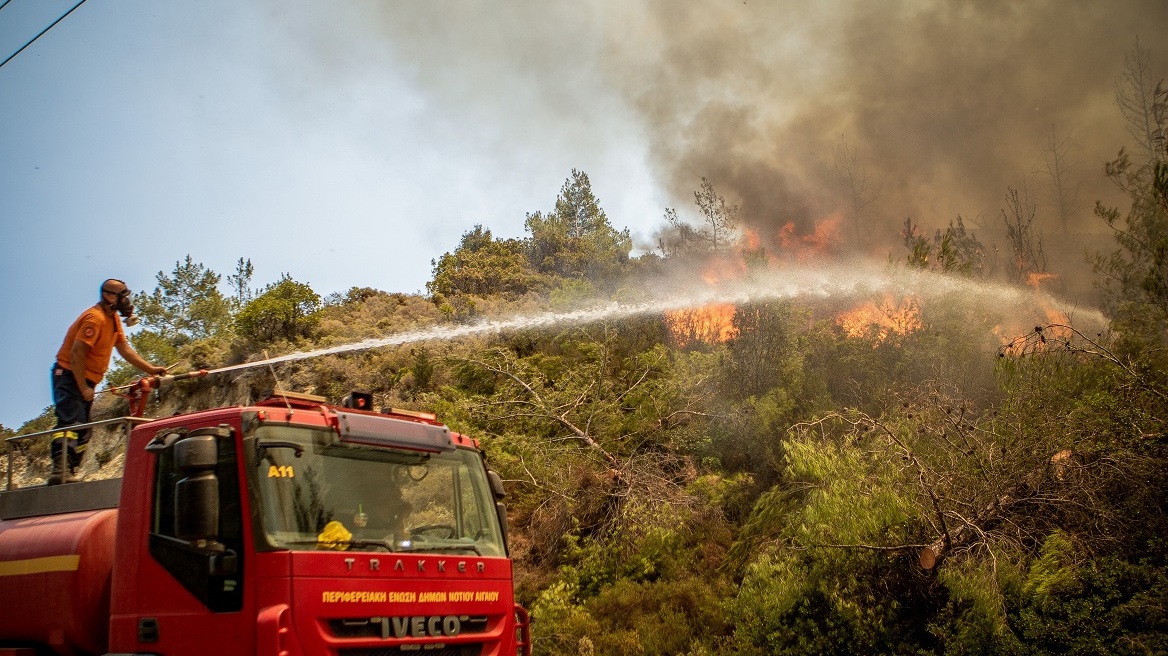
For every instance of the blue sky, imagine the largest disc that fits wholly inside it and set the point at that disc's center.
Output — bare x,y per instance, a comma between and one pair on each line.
137,132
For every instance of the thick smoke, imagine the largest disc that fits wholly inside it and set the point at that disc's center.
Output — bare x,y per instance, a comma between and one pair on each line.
943,104
938,107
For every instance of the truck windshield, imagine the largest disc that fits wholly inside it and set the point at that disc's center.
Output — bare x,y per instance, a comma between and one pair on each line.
316,492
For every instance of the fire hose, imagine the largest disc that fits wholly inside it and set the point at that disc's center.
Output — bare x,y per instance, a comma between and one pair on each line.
138,392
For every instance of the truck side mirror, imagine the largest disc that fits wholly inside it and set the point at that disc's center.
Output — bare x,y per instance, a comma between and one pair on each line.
196,496
501,513
496,484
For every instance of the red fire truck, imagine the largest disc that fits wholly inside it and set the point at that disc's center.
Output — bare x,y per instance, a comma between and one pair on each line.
290,527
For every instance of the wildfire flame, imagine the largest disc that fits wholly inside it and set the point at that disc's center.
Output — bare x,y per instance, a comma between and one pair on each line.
1020,339
711,324
822,240
751,241
723,268
880,320
1035,280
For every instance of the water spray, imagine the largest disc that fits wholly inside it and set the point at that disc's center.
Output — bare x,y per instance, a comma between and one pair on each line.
853,282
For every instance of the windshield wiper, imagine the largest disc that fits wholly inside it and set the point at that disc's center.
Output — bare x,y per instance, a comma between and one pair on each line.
345,543
398,548
414,547
298,449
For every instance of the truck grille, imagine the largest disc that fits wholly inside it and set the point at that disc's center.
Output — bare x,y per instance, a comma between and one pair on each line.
416,650
371,627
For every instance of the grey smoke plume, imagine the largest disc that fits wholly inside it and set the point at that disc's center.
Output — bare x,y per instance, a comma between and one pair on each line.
938,105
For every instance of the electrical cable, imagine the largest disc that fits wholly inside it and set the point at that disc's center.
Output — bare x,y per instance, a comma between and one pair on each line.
10,57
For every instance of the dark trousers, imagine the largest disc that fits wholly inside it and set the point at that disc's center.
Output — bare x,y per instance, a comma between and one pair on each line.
71,409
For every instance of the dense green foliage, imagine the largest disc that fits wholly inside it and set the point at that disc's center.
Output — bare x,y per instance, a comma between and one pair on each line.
285,310
481,266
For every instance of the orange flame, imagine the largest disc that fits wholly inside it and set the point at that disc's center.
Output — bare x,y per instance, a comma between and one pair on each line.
1053,314
711,324
822,240
880,320
1021,339
751,240
1035,280
723,268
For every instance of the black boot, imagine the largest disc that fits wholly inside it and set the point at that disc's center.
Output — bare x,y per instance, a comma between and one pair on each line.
58,475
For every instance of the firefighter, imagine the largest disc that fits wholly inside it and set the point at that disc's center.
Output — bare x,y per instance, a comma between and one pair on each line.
81,362
381,510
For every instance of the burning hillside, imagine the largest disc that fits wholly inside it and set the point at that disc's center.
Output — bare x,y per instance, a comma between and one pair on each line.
879,320
710,324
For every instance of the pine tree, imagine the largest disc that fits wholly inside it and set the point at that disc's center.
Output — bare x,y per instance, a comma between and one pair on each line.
576,240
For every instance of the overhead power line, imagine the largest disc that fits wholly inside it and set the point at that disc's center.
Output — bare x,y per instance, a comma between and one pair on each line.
39,35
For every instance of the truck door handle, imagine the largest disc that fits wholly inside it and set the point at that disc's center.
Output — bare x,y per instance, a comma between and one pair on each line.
148,629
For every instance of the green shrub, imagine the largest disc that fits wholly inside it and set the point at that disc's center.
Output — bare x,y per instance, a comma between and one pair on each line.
285,310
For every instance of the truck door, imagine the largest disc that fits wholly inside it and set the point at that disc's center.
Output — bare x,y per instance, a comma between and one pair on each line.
190,593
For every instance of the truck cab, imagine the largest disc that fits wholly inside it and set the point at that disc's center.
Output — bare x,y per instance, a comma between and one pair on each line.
297,527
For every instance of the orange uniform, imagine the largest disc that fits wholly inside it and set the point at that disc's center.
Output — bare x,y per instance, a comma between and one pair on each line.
101,331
